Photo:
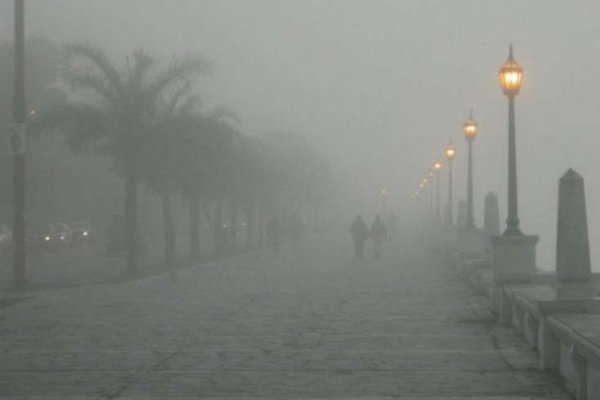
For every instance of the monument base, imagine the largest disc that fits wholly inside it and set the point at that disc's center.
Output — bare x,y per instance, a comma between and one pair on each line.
575,290
513,258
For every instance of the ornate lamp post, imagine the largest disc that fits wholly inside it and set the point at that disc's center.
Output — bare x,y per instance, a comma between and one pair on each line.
419,195
513,254
384,196
511,78
471,128
450,153
429,197
437,168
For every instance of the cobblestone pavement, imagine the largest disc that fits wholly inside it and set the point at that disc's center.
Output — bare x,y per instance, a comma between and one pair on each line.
310,325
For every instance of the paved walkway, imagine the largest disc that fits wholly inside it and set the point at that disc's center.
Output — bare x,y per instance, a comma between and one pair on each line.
315,325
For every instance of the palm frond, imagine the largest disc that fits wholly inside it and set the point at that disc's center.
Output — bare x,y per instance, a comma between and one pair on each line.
79,80
179,94
190,104
143,64
83,124
99,60
223,113
181,69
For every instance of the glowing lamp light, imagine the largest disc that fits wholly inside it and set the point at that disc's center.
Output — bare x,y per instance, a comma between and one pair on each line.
471,128
511,75
450,152
437,167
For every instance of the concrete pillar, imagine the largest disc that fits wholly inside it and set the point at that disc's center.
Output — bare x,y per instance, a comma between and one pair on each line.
549,347
579,364
573,267
593,381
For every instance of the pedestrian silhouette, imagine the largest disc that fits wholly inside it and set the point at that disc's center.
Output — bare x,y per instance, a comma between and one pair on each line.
274,232
360,233
378,234
296,227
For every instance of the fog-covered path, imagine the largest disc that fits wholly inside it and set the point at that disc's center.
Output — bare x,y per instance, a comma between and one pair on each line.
310,325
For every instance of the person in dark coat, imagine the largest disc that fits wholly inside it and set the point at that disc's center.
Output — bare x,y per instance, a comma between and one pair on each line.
274,232
378,235
296,228
360,233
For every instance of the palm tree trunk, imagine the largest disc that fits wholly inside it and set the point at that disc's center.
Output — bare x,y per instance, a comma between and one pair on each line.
233,215
131,219
261,223
248,212
169,230
194,204
219,239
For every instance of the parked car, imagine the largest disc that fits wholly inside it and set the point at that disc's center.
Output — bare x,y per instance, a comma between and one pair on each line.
59,235
82,231
39,239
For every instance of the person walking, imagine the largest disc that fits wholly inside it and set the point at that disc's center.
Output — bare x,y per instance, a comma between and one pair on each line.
296,228
274,232
378,234
360,233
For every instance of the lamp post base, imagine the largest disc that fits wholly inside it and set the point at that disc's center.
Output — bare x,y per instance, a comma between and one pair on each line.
576,290
513,262
512,227
513,258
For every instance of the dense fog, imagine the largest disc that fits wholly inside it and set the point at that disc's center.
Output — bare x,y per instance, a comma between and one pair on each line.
277,199
371,91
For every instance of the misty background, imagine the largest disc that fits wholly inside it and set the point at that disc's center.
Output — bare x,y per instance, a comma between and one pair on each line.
379,87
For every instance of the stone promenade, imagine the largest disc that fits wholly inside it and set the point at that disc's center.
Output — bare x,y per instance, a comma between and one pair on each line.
309,325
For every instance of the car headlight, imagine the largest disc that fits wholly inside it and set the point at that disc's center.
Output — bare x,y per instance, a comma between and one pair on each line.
62,237
85,233
47,238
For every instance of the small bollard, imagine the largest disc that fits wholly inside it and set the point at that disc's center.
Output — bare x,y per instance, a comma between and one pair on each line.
573,267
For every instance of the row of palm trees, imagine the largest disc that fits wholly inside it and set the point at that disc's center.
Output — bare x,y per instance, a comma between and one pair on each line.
146,119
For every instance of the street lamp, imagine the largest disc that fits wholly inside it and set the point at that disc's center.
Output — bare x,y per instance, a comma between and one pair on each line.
18,141
471,128
511,79
429,190
384,196
437,167
450,153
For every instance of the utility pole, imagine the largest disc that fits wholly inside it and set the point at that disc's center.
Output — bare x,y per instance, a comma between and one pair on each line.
17,140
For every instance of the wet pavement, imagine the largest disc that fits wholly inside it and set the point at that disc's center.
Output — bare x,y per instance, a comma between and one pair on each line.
312,324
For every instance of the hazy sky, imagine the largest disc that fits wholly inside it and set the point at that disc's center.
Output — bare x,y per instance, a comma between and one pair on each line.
383,85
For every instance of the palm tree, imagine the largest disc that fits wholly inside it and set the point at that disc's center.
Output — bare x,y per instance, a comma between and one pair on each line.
206,160
162,155
111,111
